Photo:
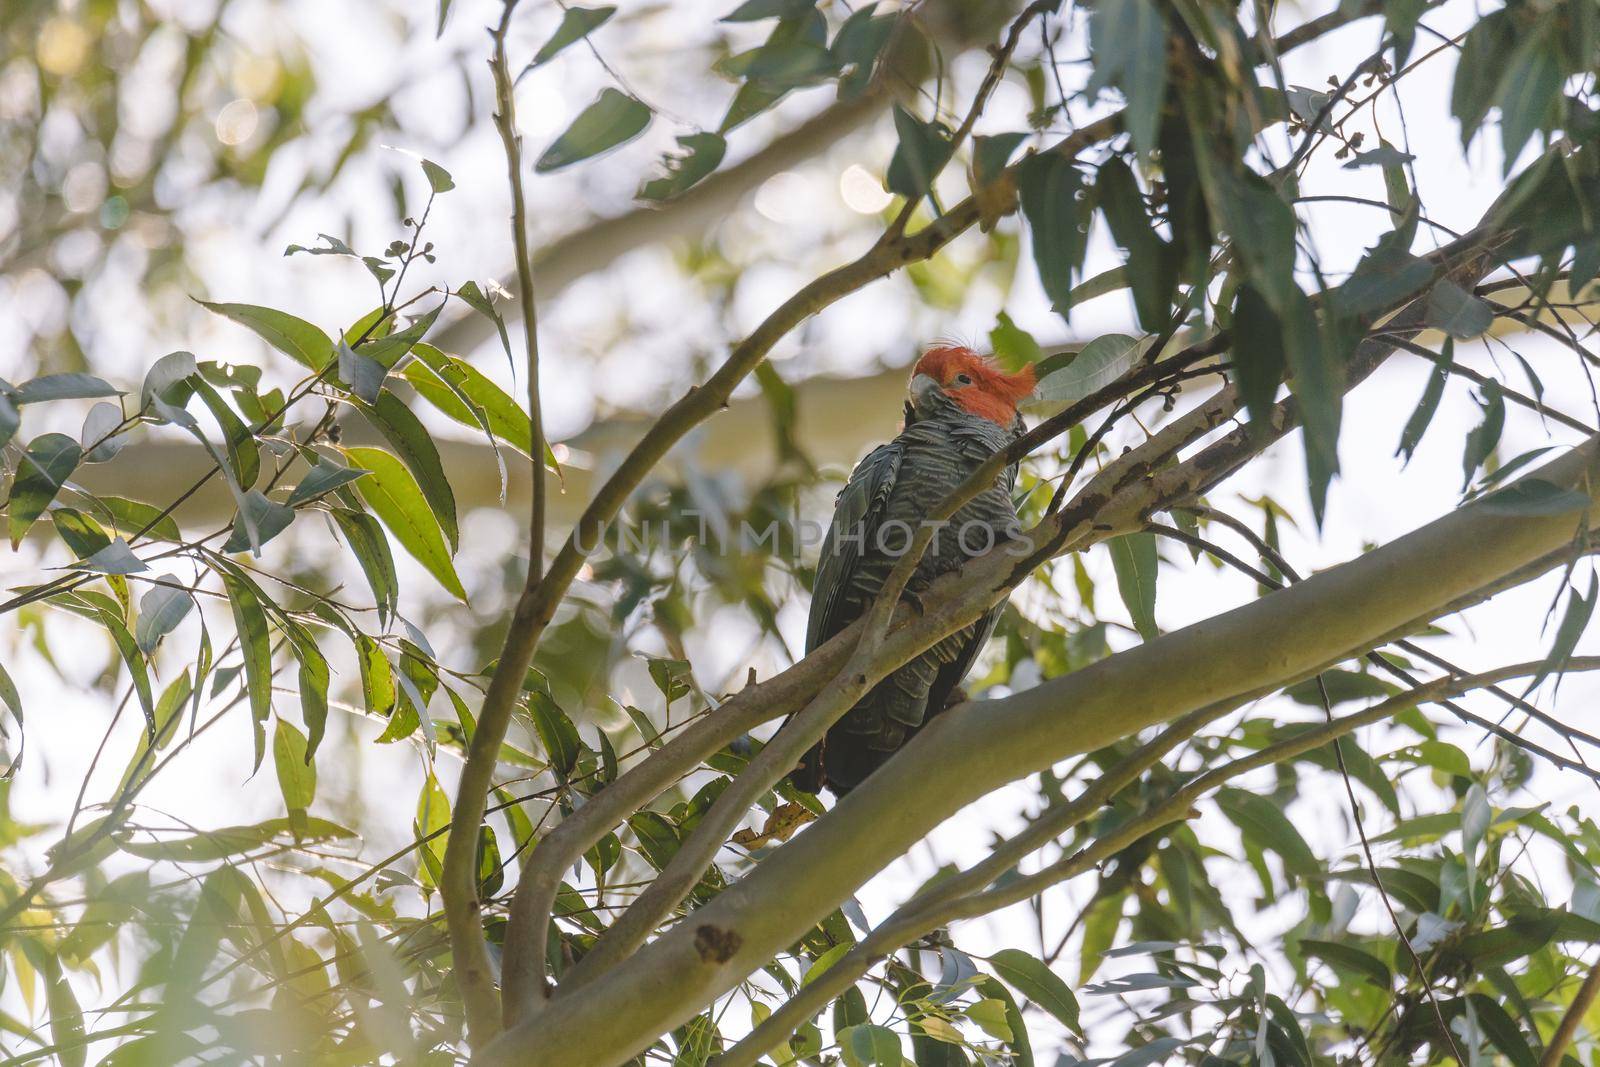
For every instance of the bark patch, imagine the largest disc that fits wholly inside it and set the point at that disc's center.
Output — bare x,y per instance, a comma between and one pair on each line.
715,944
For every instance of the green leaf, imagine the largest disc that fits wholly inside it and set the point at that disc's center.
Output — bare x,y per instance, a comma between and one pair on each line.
364,374
1573,622
702,153
232,840
313,684
250,619
870,1046
1263,821
1482,439
1136,562
137,519
387,351
1348,959
755,10
394,495
1341,686
326,476
1129,41
1049,185
1503,1030
294,337
562,745
297,775
161,609
243,455
1013,346
114,558
1034,980
1529,496
433,817
991,154
1457,312
83,535
613,119
13,700
168,380
1529,86
268,517
1021,1048
1418,423
576,24
371,548
1098,364
1259,359
473,296
449,383
411,441
41,472
62,387
923,151
439,180
823,962
137,669
10,419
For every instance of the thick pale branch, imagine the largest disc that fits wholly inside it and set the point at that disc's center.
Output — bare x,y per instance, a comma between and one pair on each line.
964,897
1272,641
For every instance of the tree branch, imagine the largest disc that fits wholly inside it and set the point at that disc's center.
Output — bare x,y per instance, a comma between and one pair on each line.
458,885
965,897
1287,635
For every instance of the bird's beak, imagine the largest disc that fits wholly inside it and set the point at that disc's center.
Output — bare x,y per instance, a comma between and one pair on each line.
922,389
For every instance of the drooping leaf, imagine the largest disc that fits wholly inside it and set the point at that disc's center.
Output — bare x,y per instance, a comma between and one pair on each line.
1049,185
576,24
1259,359
394,495
268,517
613,119
1457,312
701,154
297,775
1573,623
323,478
1033,979
433,818
412,442
1349,959
1418,423
1529,87
99,441
371,548
72,386
43,469
294,337
168,380
1136,563
1482,438
115,558
439,180
1261,819
923,151
1129,40
161,609
474,297
250,620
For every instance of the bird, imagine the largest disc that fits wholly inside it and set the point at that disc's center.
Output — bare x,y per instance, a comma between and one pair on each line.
960,409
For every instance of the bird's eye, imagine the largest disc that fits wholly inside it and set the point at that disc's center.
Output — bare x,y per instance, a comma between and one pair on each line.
962,379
